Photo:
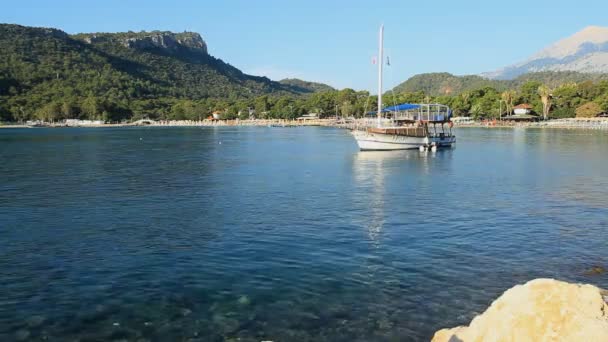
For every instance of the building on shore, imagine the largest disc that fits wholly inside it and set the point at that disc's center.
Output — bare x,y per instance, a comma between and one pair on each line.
78,122
309,116
522,109
462,119
522,113
36,123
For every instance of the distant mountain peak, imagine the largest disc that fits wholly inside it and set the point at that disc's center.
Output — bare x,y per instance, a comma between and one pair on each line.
584,51
592,30
571,45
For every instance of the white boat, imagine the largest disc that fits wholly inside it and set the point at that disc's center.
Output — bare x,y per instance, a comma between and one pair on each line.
404,126
372,141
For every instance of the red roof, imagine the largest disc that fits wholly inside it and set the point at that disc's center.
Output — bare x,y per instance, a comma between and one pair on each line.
523,106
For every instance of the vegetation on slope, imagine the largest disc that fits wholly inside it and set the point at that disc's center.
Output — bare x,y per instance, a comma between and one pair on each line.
305,86
444,83
114,76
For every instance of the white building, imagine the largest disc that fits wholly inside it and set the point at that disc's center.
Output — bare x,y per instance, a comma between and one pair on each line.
309,116
522,109
78,122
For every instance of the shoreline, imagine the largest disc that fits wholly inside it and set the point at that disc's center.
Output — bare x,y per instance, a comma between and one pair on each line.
570,123
188,123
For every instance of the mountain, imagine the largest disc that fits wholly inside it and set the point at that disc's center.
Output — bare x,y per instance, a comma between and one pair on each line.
585,51
441,84
164,63
43,65
305,86
181,61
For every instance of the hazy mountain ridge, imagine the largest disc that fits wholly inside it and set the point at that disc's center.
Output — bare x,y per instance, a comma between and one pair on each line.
586,51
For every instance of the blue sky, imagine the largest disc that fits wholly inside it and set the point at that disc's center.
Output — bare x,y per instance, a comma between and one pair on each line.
334,41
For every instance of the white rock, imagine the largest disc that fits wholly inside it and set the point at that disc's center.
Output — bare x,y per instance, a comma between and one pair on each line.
540,310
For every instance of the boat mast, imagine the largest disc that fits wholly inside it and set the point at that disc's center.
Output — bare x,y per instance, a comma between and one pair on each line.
380,65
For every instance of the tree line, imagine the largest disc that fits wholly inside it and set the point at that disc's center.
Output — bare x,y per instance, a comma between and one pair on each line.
567,100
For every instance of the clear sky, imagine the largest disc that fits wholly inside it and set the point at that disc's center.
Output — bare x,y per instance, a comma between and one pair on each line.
333,41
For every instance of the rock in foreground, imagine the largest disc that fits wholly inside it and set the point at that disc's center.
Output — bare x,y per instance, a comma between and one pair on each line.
540,310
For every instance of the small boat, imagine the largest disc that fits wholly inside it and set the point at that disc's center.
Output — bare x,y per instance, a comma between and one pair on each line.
404,126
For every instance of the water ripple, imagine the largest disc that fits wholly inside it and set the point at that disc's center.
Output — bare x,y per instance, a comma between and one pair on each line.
285,234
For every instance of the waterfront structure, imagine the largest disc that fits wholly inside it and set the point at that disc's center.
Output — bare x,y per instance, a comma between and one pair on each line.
309,116
78,122
522,109
462,119
522,113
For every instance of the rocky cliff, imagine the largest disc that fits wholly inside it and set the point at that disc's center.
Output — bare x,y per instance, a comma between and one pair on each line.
149,40
540,310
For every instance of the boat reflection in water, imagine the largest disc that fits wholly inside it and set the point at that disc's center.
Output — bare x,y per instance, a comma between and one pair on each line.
392,174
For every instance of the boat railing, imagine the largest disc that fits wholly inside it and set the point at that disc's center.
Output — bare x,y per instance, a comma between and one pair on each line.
364,123
442,135
423,112
439,131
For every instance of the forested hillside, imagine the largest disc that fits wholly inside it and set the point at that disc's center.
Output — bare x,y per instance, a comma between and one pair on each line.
305,86
444,83
48,73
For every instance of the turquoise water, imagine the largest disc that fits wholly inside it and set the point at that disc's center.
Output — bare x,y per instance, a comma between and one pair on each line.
285,234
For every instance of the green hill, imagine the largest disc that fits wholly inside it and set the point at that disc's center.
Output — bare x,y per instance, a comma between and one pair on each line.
437,84
115,71
305,86
442,84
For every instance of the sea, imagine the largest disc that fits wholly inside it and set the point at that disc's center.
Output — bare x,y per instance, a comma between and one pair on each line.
286,234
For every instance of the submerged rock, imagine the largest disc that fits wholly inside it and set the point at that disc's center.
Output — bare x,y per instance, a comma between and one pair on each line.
35,321
225,324
22,335
595,270
384,324
244,300
540,310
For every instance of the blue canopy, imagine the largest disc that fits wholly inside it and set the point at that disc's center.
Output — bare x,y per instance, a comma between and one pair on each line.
403,106
408,106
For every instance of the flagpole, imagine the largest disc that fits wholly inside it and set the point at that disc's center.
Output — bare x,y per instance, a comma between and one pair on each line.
380,64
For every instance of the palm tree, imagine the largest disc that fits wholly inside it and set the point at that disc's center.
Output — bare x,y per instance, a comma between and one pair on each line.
476,111
545,98
466,96
508,96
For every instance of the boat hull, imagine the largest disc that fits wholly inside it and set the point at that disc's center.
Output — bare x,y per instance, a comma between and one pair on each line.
369,141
